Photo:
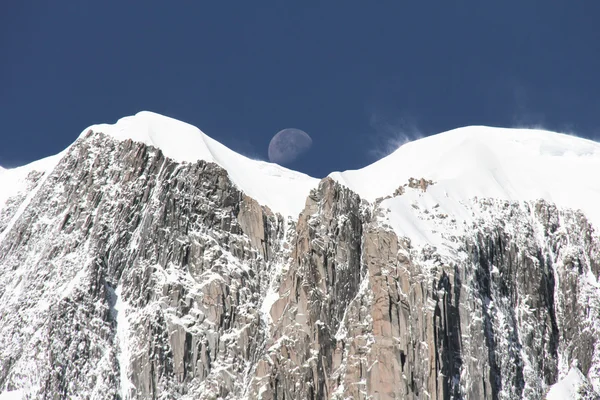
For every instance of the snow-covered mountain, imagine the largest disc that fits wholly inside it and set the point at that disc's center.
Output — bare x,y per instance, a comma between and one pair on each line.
149,261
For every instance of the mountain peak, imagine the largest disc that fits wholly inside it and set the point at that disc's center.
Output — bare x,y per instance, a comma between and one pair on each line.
159,277
279,188
486,162
177,140
473,161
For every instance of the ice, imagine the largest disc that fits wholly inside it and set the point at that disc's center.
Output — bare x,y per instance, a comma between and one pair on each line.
270,298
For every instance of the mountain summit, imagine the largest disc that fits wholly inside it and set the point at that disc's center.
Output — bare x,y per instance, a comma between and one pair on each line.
148,261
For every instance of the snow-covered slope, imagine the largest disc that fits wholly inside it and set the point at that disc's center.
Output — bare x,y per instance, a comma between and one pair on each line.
477,161
18,186
13,180
279,188
127,274
483,162
491,162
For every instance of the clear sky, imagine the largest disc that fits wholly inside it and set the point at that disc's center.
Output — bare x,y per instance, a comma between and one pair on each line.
358,76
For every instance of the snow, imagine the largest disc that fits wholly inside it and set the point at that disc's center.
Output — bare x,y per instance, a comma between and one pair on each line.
272,294
464,163
568,387
123,333
270,298
14,181
476,161
483,162
12,395
279,188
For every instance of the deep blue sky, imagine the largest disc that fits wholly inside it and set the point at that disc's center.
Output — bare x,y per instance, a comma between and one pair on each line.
355,75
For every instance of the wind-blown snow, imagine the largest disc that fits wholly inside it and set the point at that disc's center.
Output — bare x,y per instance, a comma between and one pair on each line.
279,188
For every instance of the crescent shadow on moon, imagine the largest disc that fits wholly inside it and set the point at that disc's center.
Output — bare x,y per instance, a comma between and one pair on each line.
288,144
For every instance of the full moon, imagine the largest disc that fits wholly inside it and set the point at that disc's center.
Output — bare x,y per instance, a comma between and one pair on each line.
288,144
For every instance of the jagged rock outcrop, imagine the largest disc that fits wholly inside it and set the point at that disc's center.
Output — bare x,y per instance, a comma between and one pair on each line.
125,274
167,239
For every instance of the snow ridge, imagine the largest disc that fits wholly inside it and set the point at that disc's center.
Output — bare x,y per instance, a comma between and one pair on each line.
464,163
279,188
223,307
475,161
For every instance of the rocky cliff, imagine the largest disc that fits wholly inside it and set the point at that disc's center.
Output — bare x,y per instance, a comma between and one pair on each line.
125,274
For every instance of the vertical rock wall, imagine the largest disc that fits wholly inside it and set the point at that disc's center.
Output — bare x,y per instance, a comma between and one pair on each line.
128,275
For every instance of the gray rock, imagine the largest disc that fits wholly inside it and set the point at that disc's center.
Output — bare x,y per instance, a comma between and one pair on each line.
129,275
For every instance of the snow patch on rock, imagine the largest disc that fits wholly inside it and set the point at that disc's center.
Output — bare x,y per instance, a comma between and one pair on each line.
12,395
119,310
569,387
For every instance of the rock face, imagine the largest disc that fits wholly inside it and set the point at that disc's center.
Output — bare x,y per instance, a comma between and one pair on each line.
127,275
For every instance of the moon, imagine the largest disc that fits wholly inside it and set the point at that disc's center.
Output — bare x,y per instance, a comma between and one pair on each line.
288,144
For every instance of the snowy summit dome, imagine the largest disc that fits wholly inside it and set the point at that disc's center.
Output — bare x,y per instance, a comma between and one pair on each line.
279,188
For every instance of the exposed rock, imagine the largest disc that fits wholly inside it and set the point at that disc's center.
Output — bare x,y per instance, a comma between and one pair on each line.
128,275
419,183
413,183
399,191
